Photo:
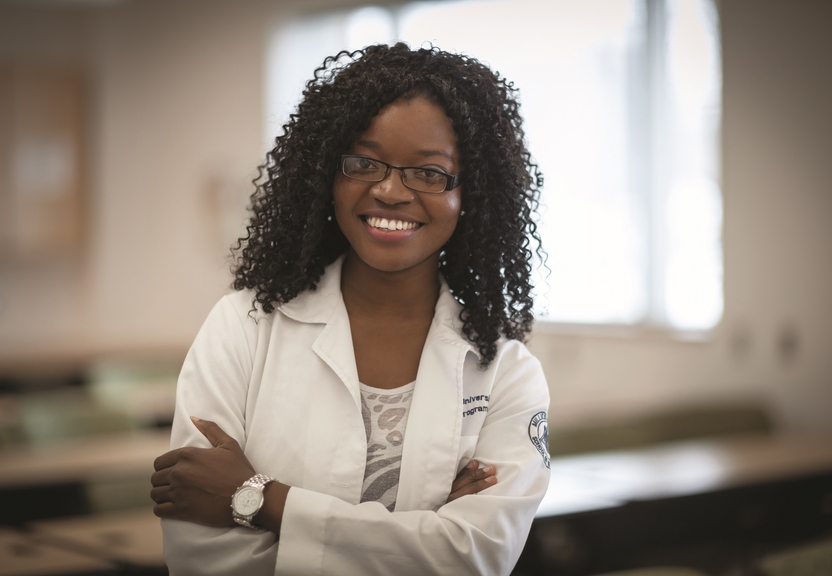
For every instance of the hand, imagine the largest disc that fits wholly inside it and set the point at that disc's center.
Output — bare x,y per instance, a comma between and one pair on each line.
472,479
196,484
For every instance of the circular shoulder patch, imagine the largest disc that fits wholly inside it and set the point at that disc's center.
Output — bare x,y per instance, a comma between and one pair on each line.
539,435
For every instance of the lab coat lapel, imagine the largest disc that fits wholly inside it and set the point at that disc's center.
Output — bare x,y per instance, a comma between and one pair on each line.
431,440
333,345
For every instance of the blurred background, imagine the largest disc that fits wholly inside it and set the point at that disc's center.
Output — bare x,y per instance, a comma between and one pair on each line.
687,214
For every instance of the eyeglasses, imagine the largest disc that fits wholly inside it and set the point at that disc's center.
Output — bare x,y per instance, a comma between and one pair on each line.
419,179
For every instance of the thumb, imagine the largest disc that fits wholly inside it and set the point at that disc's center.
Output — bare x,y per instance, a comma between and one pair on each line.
216,435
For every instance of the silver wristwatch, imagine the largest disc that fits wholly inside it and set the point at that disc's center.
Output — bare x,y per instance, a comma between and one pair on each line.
248,499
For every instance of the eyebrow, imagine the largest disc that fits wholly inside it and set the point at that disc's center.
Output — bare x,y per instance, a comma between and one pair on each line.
373,145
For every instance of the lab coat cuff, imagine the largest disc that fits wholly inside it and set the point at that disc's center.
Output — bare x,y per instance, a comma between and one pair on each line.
302,529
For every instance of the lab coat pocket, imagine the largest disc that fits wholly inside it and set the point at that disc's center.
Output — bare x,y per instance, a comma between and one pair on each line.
467,447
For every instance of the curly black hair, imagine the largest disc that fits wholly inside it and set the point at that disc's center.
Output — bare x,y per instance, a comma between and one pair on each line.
293,235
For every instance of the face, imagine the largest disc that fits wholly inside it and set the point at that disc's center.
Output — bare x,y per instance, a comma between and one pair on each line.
414,133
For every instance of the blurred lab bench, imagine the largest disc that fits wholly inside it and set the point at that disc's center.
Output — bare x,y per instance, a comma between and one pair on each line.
717,505
79,475
104,544
59,506
83,459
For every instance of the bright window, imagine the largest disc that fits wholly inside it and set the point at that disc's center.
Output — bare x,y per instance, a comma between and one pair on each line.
622,108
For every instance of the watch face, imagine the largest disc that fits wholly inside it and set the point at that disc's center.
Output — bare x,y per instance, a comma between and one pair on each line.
247,501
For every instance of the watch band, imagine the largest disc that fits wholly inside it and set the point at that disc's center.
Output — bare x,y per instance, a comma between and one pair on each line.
257,482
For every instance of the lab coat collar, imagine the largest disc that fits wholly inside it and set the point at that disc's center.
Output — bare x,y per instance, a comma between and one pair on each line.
317,306
320,305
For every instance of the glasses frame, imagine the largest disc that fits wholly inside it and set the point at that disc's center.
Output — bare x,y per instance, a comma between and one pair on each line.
451,180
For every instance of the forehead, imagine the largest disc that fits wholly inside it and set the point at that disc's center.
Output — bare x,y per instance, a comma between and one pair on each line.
413,126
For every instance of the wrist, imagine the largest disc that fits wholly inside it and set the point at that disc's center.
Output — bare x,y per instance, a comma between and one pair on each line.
270,515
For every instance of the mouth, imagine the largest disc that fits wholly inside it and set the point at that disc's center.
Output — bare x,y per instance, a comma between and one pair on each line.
390,225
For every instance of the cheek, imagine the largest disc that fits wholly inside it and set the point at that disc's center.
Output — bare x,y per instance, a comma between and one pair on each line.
453,205
341,203
445,213
338,192
455,200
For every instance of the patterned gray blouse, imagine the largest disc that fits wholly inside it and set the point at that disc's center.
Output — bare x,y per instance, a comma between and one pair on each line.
385,419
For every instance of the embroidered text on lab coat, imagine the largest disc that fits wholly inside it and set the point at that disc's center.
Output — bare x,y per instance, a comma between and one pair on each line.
471,410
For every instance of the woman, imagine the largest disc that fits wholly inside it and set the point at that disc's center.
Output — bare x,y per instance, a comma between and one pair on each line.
367,379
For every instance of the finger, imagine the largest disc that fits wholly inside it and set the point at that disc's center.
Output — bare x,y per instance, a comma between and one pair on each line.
480,485
165,510
161,477
469,476
167,459
160,494
216,435
473,488
472,465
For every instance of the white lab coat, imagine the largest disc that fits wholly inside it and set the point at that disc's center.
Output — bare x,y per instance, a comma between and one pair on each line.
285,386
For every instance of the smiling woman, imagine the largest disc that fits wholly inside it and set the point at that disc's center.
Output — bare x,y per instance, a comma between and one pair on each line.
371,311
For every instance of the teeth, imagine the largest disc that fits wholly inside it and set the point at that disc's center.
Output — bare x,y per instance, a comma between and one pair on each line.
385,224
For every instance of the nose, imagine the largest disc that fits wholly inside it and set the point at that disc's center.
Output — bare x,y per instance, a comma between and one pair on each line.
392,190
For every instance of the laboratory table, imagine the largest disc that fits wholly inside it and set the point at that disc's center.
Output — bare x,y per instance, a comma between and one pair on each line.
705,503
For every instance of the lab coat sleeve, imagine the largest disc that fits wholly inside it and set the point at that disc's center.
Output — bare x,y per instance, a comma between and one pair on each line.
476,534
213,385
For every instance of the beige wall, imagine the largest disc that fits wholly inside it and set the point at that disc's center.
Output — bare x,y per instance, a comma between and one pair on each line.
176,133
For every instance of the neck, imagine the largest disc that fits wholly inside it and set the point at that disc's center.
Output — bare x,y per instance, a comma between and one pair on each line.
407,294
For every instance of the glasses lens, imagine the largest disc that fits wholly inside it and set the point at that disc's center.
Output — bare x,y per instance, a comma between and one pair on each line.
424,179
364,169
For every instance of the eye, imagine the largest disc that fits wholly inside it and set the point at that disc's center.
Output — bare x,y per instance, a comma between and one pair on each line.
358,165
428,175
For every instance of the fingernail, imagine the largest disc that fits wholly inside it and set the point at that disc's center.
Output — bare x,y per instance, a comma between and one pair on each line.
488,469
471,465
491,480
195,419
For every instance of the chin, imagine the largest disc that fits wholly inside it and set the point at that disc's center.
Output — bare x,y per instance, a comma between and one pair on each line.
393,263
